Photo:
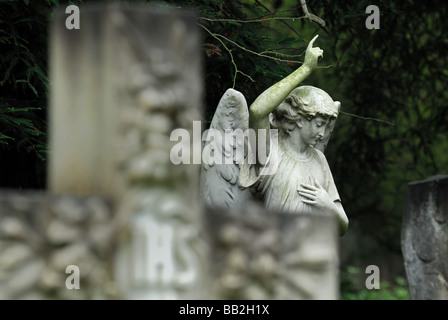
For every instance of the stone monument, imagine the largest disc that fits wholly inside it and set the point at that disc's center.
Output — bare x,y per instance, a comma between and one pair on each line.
117,210
287,128
424,238
264,169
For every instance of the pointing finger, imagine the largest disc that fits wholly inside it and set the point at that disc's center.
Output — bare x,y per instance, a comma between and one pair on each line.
310,45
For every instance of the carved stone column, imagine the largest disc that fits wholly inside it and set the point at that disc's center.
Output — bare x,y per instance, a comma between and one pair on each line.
424,238
121,85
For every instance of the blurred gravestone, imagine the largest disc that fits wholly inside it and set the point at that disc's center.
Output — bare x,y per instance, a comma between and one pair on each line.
119,86
41,235
123,83
260,254
424,238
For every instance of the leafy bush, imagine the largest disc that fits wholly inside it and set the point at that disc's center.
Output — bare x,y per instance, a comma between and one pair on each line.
353,287
24,88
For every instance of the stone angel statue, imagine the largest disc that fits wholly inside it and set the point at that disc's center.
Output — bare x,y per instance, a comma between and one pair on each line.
292,125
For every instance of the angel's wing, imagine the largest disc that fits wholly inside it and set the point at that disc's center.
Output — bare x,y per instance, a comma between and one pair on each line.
322,144
223,152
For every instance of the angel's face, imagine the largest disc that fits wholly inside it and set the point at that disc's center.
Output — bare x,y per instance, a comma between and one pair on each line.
312,131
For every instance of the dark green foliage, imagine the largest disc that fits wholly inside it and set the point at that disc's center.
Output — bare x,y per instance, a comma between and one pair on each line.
23,86
23,91
237,53
20,123
353,287
397,74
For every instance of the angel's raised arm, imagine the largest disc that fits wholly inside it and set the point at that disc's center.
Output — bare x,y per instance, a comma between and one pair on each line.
272,97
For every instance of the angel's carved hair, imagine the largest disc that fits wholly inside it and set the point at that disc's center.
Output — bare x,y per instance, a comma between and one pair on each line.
305,101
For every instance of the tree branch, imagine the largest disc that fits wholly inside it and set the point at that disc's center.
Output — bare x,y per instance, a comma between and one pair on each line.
284,22
309,15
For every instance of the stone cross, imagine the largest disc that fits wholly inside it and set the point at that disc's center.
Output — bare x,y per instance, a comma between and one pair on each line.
117,209
126,80
119,220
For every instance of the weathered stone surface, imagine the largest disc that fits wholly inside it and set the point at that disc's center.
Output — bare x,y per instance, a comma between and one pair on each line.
40,235
424,238
259,254
122,83
281,161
